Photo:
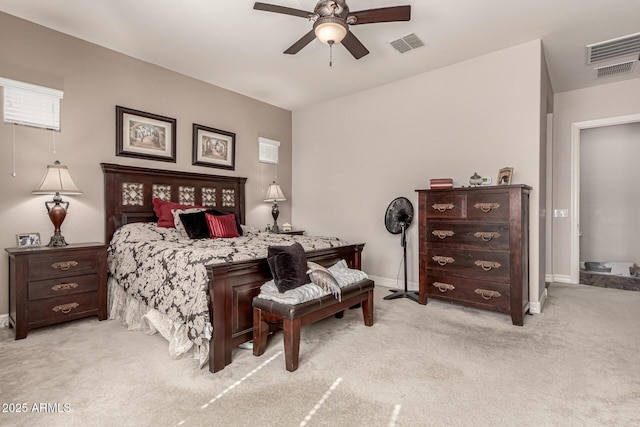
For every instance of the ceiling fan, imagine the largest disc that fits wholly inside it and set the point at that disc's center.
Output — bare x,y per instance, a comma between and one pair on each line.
331,20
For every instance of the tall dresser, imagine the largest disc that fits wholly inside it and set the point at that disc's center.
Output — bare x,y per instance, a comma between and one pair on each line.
474,247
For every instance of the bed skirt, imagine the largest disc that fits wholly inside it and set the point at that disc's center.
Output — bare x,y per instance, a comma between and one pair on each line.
137,316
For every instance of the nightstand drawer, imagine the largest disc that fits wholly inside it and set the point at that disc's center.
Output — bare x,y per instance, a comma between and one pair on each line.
60,309
64,265
59,287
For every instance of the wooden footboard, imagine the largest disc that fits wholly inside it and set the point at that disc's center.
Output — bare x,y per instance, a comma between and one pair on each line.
232,287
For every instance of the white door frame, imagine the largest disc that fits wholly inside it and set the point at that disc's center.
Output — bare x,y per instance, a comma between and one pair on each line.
575,182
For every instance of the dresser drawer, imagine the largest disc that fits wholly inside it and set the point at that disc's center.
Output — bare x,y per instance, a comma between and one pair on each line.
472,235
63,265
445,205
60,287
478,293
63,308
481,265
488,206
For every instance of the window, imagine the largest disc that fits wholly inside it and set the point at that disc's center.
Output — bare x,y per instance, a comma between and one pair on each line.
268,150
31,105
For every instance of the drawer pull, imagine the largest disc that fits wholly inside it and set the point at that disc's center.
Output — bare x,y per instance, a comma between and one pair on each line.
486,207
443,260
442,234
486,236
487,265
66,308
487,294
64,286
443,287
442,207
64,266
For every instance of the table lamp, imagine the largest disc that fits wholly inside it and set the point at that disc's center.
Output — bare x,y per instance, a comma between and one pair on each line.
274,195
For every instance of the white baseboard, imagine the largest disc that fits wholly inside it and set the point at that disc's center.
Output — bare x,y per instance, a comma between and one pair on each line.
393,283
548,278
4,321
536,307
561,278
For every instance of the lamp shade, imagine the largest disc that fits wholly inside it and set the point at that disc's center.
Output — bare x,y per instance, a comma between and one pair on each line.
274,193
330,29
57,180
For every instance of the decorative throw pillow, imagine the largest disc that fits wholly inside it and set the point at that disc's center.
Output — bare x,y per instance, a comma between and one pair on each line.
221,226
323,278
288,266
163,209
177,220
195,225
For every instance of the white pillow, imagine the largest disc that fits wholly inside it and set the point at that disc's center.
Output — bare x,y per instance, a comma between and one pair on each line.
178,223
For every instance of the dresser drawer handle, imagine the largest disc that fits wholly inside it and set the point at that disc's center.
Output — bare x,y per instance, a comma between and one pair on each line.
488,265
64,266
64,286
487,294
442,234
486,207
66,308
486,236
443,260
443,287
442,207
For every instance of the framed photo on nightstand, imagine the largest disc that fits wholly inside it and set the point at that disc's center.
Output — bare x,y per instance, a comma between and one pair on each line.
28,239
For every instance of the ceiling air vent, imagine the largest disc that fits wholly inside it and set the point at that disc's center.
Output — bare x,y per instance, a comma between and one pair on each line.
407,43
615,69
615,48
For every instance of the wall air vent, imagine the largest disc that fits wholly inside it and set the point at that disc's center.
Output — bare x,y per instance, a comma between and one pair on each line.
407,43
614,48
615,69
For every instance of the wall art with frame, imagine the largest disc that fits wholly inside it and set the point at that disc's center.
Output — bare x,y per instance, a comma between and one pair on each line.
145,135
214,148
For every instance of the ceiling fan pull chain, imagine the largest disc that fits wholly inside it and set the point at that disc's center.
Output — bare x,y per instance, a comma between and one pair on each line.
330,53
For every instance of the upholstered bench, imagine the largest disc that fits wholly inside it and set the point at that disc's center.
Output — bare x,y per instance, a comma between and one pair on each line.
269,315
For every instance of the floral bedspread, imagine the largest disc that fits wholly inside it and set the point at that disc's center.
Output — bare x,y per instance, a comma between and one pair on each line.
166,272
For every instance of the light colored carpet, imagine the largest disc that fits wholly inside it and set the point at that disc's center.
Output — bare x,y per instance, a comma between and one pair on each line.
577,363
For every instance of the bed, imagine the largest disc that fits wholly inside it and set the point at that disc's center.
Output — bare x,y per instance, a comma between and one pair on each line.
229,284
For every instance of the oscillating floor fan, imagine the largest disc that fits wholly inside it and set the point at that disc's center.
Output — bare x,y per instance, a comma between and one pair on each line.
397,219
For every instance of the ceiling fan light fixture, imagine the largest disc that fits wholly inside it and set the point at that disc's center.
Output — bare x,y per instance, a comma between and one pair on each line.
330,29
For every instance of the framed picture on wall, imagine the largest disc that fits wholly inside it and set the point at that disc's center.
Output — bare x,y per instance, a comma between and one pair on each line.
145,135
504,176
214,148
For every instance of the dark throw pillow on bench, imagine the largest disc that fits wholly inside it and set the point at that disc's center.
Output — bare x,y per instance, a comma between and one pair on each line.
288,266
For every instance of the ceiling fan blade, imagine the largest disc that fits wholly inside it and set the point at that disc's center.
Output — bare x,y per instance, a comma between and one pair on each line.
383,14
281,9
354,46
297,46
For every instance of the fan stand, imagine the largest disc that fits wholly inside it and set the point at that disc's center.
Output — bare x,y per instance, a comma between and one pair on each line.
397,293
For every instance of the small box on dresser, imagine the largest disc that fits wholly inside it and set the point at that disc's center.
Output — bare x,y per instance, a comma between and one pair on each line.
474,247
49,285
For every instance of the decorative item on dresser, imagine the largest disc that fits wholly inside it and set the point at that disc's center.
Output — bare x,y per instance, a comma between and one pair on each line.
275,195
474,247
50,285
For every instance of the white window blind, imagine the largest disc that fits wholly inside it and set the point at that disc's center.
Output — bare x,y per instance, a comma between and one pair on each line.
268,150
31,105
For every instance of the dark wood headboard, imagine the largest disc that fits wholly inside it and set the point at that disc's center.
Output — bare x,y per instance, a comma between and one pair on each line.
129,191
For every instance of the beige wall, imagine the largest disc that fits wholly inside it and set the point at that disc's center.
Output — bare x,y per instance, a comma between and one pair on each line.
94,81
609,176
370,147
599,102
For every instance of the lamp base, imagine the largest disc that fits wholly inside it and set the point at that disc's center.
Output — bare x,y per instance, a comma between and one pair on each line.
57,240
275,228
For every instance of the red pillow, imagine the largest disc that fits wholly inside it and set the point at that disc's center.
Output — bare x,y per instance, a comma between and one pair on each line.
222,226
163,211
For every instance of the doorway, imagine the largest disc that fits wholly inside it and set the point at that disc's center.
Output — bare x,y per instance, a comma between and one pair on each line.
576,131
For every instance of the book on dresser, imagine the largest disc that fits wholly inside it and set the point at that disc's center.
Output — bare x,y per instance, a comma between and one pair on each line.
474,247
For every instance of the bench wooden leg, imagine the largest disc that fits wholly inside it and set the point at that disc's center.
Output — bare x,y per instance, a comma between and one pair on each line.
367,309
291,329
260,333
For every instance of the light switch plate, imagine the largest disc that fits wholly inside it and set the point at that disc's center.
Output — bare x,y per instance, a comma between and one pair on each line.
561,213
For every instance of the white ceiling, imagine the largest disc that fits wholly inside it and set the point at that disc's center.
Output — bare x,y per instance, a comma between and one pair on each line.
228,44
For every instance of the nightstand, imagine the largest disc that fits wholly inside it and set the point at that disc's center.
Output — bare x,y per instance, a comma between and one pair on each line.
49,285
292,232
